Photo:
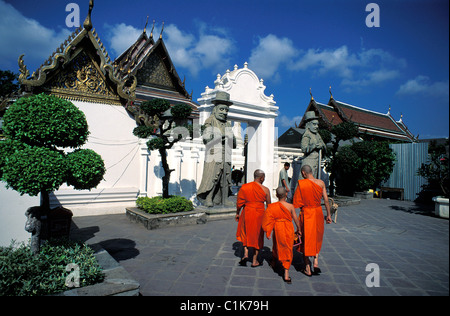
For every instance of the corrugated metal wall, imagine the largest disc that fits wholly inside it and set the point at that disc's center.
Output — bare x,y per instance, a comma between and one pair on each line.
410,157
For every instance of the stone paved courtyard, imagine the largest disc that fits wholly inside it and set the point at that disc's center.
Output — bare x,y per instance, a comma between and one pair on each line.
410,247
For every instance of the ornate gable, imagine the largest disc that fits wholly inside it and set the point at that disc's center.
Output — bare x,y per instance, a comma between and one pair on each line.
155,73
81,79
80,69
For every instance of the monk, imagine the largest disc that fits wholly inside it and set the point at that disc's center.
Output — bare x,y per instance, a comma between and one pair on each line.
251,198
278,218
308,197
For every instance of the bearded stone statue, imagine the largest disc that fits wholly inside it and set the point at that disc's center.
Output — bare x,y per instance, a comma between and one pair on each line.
218,137
311,143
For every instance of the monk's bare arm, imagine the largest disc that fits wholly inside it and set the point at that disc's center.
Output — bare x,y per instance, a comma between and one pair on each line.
268,200
295,218
238,211
326,202
239,206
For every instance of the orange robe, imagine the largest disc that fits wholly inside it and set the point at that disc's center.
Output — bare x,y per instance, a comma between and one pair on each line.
252,197
308,196
279,219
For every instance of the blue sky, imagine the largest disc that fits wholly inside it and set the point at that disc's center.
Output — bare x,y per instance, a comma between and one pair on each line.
292,45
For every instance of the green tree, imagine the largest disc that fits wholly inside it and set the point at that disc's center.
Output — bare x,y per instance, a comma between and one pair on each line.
436,169
362,166
8,83
342,132
160,129
32,158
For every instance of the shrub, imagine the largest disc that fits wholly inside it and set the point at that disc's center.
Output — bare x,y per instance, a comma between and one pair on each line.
159,205
362,166
85,169
436,170
45,120
32,161
23,274
33,169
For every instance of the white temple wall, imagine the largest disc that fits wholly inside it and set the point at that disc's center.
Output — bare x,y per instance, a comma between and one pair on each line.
111,136
132,170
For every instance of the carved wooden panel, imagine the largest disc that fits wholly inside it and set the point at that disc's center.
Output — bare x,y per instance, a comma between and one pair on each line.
154,72
81,79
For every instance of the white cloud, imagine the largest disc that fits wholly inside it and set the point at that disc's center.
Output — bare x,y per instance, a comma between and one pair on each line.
370,78
211,49
379,57
270,54
284,121
21,35
121,36
340,61
423,85
360,69
195,53
356,69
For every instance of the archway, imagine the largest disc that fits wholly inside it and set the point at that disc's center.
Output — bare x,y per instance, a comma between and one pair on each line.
255,109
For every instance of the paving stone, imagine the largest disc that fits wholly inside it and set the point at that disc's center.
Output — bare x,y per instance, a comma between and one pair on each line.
411,250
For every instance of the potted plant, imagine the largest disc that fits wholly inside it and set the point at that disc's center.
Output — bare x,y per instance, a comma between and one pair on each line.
35,156
436,173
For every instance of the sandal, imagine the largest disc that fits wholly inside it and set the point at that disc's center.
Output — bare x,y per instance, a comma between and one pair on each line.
243,262
304,271
288,281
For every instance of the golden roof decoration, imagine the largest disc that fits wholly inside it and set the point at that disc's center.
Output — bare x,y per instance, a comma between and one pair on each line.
83,40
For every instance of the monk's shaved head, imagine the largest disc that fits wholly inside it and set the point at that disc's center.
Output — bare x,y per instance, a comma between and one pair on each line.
258,174
281,192
307,169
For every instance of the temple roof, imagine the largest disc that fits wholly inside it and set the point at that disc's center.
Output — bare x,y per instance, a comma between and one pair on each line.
369,122
150,63
145,56
80,69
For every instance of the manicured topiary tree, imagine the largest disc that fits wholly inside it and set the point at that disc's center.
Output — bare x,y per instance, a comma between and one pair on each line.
162,135
35,157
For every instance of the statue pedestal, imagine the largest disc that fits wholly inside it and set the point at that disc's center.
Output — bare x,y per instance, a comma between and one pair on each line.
218,212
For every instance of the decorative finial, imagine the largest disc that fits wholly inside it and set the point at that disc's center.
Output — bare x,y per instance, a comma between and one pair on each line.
162,29
312,98
153,27
24,73
401,117
145,27
331,94
389,111
88,22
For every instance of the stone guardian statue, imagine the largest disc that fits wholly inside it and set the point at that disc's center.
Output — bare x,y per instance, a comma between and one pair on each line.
218,137
312,144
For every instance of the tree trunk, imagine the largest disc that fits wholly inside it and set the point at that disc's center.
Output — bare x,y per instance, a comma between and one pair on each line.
45,200
34,224
332,188
167,172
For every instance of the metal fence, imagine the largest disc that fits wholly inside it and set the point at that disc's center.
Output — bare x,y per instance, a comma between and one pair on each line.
410,157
